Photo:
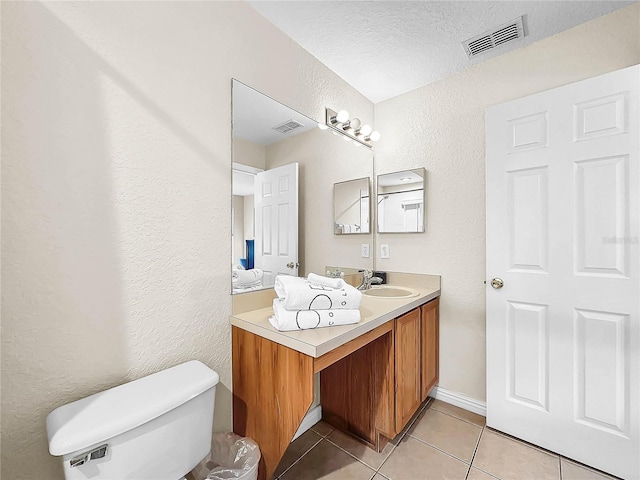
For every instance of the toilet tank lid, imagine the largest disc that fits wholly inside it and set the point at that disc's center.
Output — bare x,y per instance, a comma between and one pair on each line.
99,417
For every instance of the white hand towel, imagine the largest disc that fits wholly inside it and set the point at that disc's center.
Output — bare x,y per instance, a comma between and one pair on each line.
247,278
288,320
247,289
325,281
299,294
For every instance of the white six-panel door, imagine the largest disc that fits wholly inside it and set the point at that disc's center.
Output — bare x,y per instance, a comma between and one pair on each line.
276,222
563,234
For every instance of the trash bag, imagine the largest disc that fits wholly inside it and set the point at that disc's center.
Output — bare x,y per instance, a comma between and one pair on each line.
233,457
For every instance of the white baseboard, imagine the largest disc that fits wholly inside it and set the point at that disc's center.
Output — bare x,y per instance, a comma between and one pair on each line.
459,400
312,417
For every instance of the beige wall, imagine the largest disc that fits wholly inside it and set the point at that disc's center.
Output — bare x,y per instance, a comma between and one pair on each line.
238,229
249,153
324,160
441,127
249,223
116,194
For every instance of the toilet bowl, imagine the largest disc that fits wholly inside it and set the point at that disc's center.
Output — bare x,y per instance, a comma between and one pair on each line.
155,428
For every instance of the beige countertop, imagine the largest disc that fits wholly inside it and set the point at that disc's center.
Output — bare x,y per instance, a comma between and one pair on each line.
374,312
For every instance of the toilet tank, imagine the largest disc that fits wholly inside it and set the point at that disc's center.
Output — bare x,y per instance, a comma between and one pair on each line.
155,428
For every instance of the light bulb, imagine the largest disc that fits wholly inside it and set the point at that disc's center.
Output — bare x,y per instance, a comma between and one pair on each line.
342,116
375,136
322,126
355,123
365,130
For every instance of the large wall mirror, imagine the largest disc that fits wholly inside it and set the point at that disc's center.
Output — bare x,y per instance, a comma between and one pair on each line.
400,199
284,169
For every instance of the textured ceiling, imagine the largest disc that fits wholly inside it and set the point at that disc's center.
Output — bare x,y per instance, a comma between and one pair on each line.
255,115
385,48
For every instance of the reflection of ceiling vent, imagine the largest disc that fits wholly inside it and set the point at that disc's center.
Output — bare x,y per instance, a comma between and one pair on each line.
504,33
287,127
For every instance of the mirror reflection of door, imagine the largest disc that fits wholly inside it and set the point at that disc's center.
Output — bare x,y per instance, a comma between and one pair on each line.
260,123
276,222
400,200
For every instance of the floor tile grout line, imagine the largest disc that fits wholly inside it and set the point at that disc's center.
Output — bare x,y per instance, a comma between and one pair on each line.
439,449
473,455
300,457
524,442
606,475
320,434
458,418
389,456
487,473
401,435
361,461
560,466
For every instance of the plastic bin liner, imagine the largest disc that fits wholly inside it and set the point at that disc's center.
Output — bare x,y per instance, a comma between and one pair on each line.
233,457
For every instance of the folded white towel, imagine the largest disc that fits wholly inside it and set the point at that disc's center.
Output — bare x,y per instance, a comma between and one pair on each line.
325,281
247,289
247,278
288,320
299,294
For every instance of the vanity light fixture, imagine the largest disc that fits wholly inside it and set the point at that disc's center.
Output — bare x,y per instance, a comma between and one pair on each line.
352,129
337,117
365,131
350,126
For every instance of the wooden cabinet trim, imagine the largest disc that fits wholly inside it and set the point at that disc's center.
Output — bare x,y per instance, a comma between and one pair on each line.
407,367
348,348
430,339
272,392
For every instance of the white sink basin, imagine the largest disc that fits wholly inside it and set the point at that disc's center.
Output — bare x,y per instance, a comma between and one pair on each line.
390,291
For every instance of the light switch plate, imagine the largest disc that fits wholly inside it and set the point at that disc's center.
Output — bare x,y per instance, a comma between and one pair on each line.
384,250
365,250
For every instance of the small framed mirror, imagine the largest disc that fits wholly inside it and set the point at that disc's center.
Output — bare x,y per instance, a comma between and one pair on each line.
352,207
400,199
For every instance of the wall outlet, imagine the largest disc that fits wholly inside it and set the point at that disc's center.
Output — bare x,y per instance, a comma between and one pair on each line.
384,250
365,250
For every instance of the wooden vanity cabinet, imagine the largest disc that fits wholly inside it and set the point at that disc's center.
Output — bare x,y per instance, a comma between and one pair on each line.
374,392
408,367
370,386
429,340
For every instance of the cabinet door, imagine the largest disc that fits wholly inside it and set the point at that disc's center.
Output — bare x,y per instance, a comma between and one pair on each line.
430,340
408,393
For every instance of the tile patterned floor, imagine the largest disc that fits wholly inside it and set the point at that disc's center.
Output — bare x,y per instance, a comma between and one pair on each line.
443,442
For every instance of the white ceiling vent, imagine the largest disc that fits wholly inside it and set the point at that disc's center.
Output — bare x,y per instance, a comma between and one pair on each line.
287,127
506,32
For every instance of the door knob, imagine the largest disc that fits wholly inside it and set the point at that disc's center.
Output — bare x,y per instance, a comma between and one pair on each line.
497,283
291,265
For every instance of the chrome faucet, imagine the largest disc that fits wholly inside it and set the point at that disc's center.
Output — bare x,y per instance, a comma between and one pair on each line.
368,279
336,273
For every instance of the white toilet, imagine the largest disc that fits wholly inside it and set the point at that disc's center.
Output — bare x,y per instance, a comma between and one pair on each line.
154,428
